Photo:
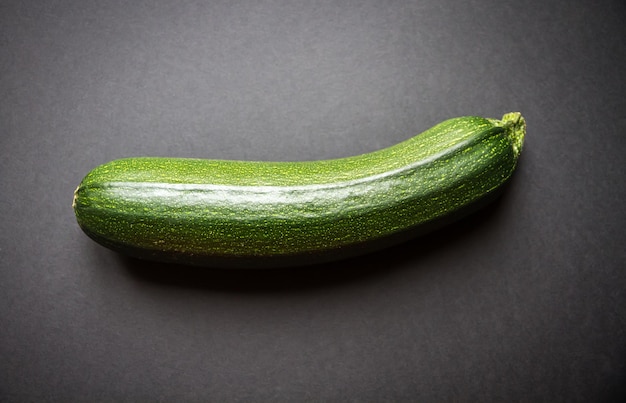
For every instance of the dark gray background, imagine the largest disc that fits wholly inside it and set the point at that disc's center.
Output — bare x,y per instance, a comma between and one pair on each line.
524,301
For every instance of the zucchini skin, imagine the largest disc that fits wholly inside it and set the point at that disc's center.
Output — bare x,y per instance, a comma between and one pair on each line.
257,214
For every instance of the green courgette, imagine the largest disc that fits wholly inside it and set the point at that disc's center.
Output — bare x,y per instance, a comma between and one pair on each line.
253,213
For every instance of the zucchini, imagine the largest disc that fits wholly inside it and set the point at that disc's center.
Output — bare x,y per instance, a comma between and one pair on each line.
252,213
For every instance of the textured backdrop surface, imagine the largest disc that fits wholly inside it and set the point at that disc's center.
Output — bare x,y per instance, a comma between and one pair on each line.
525,300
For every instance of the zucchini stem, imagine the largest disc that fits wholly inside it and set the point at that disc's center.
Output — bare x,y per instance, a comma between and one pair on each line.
515,126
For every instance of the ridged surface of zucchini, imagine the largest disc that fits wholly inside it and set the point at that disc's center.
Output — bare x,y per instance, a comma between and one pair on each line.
251,213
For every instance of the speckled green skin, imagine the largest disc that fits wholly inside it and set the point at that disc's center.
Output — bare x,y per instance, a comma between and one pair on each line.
250,213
